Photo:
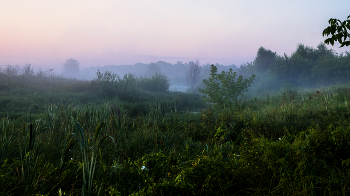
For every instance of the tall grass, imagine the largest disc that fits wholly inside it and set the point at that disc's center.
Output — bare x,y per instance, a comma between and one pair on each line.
295,142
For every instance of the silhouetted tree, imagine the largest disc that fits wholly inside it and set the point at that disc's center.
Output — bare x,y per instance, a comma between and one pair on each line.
305,52
193,74
247,69
71,68
27,70
339,31
264,59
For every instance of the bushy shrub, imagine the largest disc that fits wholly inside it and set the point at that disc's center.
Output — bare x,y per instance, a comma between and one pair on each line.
111,84
11,70
222,89
107,83
157,83
127,88
27,70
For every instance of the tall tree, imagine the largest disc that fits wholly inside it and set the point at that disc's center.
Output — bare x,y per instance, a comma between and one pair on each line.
193,74
71,68
264,59
339,31
305,52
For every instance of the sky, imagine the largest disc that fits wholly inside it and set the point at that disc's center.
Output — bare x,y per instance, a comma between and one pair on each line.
115,32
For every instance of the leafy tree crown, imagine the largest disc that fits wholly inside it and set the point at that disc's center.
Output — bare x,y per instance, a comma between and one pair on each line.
339,31
222,89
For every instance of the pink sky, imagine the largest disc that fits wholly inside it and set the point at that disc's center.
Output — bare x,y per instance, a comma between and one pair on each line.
46,33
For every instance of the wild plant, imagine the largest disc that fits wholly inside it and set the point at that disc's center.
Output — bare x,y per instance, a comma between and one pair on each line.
40,73
88,149
30,168
221,89
11,70
6,139
27,70
156,83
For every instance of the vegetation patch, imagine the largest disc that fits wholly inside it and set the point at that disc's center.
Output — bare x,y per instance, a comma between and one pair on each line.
115,137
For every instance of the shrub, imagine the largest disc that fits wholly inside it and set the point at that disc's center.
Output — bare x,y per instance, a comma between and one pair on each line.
222,90
107,83
111,84
157,83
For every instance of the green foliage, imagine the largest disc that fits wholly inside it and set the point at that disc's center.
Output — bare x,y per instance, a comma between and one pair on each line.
111,84
127,88
339,32
291,143
247,69
308,66
264,59
222,89
90,148
157,83
107,83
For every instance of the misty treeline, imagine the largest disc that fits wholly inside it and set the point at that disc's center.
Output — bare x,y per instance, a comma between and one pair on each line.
25,70
172,71
307,67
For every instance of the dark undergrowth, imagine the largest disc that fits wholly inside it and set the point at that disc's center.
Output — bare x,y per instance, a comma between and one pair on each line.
74,142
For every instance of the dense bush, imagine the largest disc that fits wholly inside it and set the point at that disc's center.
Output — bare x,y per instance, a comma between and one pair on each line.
111,84
157,83
222,89
128,88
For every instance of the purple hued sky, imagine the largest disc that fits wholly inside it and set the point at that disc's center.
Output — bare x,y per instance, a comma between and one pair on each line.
113,32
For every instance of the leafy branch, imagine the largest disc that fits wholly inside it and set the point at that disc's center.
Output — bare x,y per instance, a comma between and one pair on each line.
339,32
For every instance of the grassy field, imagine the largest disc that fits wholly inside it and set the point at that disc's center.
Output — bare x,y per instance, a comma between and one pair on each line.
60,137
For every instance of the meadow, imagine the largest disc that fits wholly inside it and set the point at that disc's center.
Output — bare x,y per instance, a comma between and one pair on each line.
67,137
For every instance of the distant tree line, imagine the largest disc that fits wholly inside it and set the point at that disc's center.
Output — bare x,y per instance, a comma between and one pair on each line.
306,67
172,71
26,71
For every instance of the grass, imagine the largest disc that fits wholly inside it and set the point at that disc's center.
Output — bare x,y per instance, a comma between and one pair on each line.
77,143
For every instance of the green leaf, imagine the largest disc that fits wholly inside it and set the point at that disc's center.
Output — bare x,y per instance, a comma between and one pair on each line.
98,130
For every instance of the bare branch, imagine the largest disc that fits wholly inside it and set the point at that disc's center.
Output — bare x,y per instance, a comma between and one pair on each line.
193,74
